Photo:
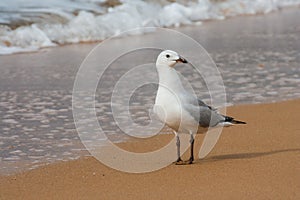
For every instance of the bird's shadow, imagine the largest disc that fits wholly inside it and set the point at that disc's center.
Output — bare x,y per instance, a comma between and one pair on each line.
244,155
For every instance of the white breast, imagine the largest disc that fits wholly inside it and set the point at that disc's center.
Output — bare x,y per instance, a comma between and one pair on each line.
169,104
167,108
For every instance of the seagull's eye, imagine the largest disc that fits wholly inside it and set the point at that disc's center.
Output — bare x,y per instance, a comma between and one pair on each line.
168,56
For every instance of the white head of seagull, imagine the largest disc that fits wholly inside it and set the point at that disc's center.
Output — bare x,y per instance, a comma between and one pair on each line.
169,58
168,76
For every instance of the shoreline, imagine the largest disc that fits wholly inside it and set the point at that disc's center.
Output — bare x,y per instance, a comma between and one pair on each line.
257,160
258,59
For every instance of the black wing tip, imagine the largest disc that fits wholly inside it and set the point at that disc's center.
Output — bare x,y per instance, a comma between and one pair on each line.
232,120
238,122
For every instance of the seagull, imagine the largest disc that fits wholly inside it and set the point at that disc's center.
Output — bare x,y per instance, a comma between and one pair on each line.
179,109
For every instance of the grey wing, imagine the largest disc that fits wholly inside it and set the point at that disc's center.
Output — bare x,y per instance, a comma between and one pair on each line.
201,112
201,103
205,116
195,101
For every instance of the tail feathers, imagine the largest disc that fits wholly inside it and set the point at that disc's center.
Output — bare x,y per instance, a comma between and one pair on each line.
232,120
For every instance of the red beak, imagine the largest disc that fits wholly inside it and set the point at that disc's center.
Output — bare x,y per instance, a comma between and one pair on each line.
182,60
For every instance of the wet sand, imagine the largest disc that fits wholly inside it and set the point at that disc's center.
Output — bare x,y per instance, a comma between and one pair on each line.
259,160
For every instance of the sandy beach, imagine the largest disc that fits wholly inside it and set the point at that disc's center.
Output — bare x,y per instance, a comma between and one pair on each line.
259,160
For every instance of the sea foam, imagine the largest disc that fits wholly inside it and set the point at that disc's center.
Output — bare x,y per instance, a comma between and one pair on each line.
38,24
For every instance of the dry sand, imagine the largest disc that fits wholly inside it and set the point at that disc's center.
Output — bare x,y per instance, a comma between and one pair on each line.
259,160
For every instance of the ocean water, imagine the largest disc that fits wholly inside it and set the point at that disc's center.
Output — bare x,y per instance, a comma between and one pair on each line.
28,25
